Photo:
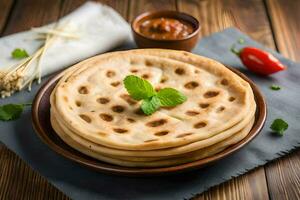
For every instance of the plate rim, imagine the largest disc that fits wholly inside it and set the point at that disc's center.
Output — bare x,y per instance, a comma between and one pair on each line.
261,115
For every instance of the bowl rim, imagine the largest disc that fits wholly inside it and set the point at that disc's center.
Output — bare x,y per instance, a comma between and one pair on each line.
100,166
164,12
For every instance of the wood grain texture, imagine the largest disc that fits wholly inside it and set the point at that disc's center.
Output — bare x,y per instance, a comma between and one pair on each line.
251,187
216,15
31,13
120,6
137,7
5,8
283,177
285,18
19,181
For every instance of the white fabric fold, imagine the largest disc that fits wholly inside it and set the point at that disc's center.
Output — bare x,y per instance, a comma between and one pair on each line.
99,28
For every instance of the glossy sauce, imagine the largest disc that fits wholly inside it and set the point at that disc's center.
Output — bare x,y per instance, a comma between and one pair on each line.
165,28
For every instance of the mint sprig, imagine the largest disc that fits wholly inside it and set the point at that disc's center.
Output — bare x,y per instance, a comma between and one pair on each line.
141,89
11,111
19,53
170,97
150,105
138,88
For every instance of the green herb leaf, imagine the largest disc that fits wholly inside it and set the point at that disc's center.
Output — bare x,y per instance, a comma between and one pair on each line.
138,88
150,105
170,97
275,87
279,126
11,111
241,41
19,53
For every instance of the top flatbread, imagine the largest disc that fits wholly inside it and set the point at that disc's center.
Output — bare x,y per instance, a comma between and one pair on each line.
92,100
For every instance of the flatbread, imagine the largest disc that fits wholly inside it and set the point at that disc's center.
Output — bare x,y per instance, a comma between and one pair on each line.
193,156
159,152
134,155
77,98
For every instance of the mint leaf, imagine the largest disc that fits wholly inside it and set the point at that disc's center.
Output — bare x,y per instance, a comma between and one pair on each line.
138,88
275,87
279,126
150,105
170,97
19,53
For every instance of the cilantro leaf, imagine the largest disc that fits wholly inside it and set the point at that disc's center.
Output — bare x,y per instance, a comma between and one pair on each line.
19,53
279,126
275,87
150,105
170,97
138,88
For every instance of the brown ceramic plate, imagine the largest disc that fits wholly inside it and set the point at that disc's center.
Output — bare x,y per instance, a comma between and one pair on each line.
42,125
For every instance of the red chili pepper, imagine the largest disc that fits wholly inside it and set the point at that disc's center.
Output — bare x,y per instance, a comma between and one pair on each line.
259,61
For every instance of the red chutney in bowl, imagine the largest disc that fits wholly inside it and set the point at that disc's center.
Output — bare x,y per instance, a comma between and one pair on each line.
165,28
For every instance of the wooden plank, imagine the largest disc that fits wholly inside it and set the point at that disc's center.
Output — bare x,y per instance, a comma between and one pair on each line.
216,15
5,7
119,6
30,13
17,179
137,7
285,18
284,175
248,186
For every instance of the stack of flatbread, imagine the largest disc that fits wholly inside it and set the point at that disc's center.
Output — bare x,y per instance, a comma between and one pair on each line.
92,112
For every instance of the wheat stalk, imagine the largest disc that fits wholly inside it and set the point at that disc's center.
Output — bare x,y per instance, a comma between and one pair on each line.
14,77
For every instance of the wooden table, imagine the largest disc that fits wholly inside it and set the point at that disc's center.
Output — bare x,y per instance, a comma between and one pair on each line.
274,23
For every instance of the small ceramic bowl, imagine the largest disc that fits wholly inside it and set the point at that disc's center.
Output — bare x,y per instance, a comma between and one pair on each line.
187,43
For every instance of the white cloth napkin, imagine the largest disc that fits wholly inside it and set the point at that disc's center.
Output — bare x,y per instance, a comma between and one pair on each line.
99,28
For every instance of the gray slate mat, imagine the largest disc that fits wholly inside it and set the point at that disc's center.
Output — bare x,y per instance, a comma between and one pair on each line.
81,183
